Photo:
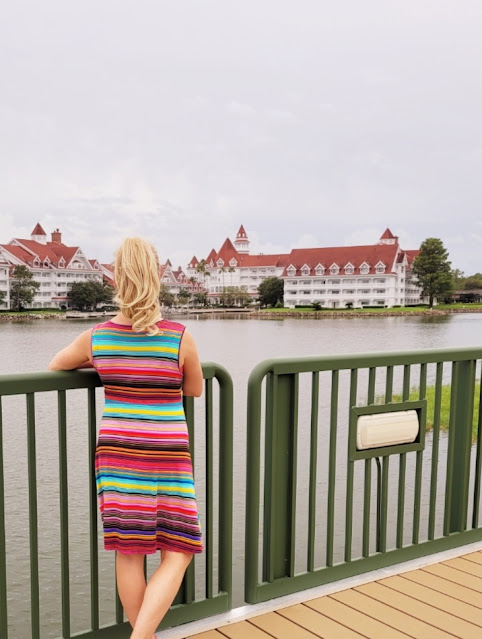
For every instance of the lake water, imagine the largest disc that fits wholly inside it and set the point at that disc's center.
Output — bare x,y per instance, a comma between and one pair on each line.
238,345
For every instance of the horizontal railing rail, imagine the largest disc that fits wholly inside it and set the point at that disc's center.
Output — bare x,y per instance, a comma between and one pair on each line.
325,510
195,600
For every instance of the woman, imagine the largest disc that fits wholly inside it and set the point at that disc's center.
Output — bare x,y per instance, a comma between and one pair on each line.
143,466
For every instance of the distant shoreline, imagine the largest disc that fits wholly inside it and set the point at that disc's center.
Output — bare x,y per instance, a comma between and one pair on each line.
270,314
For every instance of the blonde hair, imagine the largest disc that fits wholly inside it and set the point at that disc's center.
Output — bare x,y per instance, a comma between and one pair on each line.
137,280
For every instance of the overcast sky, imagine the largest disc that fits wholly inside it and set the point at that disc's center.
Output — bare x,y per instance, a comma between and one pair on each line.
311,122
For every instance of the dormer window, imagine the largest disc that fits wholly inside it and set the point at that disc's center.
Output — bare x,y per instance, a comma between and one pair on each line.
36,262
364,269
291,271
320,270
233,262
46,262
334,269
220,263
349,269
380,267
305,270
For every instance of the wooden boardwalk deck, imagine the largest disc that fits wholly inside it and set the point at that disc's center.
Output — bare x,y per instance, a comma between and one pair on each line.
439,601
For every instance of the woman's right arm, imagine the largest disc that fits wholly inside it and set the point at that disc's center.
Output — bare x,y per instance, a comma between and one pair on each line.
193,382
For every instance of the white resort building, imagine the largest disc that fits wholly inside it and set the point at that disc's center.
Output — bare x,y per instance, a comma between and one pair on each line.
54,266
339,277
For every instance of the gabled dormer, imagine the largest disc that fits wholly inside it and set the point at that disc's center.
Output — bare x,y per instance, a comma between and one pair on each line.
36,262
305,270
291,270
220,263
319,269
349,269
364,268
380,267
46,262
334,269
62,263
233,262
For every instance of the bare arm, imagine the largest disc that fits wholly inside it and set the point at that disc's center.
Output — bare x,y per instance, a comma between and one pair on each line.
189,360
75,355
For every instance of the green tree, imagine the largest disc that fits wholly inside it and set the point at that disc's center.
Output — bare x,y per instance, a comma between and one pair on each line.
90,294
201,298
2,296
271,291
473,281
184,296
242,297
458,279
166,298
432,269
22,287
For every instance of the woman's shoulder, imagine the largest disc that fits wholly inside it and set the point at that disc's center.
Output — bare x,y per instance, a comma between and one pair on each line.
175,327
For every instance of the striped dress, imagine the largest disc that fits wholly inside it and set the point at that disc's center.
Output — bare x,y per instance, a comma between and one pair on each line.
143,465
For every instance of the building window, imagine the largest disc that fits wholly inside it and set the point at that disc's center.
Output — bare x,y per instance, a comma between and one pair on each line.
349,269
305,271
334,281
334,292
291,271
364,269
319,270
380,268
334,269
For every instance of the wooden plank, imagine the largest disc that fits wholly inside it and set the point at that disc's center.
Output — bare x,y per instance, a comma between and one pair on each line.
435,599
476,557
280,627
353,619
446,587
419,610
243,630
317,623
457,576
210,634
465,566
394,618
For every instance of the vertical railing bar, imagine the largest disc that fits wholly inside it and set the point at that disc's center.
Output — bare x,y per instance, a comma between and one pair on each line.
209,490
384,504
389,385
402,467
225,484
451,450
315,392
3,549
269,531
64,512
478,462
435,450
189,577
366,507
349,476
371,385
406,382
294,473
33,517
94,551
330,520
419,465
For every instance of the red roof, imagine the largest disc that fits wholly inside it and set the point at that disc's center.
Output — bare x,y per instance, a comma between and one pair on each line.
227,252
194,262
343,255
18,252
411,255
38,230
211,256
388,235
279,260
241,233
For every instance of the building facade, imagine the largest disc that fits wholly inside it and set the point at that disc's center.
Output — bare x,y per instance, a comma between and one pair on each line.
53,265
337,277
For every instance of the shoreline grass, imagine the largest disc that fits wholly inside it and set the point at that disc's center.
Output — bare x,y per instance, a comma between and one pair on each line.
444,406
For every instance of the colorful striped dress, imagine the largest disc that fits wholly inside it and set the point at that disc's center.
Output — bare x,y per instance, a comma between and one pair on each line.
143,465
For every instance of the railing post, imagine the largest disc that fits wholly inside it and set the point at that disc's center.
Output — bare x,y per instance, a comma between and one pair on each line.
460,442
280,476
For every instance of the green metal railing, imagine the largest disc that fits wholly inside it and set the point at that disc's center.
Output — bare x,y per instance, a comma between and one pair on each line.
317,508
193,601
345,527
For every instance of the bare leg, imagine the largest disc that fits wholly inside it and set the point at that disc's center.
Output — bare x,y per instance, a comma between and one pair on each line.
131,583
160,593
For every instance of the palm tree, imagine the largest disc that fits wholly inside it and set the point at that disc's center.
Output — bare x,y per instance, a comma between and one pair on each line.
231,270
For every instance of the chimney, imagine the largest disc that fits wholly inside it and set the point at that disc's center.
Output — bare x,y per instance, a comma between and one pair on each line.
57,236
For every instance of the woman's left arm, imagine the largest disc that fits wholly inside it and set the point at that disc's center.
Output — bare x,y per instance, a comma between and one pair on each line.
75,355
